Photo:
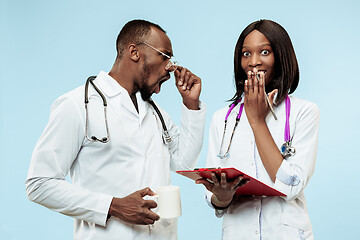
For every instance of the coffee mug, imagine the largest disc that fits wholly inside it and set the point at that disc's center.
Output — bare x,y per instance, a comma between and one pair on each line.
168,201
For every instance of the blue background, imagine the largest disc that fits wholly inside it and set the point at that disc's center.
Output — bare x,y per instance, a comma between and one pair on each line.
50,47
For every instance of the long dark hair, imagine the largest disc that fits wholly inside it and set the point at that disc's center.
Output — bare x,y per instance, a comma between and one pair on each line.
286,69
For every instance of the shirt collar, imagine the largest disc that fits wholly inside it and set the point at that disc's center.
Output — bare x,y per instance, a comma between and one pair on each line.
108,85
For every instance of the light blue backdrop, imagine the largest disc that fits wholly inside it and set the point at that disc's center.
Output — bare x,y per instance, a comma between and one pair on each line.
50,47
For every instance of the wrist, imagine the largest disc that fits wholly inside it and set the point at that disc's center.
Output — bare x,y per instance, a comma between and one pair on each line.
192,104
219,203
111,207
255,124
115,205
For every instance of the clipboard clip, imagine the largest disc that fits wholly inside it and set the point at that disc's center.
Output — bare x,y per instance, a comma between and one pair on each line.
205,169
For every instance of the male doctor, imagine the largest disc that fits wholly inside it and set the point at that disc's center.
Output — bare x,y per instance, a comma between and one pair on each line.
110,180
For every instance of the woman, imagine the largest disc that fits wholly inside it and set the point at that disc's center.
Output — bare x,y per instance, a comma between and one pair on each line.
263,146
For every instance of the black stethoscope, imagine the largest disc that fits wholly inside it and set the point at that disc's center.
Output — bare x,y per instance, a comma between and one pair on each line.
287,150
166,134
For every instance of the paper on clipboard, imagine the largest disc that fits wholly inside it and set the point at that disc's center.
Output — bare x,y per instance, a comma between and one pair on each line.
253,187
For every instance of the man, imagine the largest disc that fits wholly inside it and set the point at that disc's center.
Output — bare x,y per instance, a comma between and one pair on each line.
112,176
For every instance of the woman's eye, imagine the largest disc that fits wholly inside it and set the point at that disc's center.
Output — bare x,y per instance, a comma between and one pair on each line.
246,54
265,52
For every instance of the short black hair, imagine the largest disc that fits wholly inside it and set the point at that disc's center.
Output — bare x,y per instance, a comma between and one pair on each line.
134,31
286,69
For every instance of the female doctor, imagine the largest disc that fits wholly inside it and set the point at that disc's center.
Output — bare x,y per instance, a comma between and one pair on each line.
270,135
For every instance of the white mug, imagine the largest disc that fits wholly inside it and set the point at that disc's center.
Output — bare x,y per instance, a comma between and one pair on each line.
169,203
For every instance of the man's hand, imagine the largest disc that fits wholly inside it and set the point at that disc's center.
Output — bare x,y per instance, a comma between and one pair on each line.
189,87
134,209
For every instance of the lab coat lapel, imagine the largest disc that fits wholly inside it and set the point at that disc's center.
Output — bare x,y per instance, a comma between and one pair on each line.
127,103
111,88
143,107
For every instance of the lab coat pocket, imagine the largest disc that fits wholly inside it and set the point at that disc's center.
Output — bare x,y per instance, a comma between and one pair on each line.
299,221
290,232
295,221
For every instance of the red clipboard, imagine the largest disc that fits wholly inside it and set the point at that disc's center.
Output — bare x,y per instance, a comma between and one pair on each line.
253,187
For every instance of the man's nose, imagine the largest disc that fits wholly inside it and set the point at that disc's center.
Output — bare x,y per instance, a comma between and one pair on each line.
169,66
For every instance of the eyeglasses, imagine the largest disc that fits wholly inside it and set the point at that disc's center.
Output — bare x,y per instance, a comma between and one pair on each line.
172,64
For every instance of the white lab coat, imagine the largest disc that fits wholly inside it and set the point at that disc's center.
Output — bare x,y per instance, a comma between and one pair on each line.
135,157
268,218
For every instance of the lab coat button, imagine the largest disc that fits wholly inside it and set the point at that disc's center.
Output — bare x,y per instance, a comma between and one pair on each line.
256,232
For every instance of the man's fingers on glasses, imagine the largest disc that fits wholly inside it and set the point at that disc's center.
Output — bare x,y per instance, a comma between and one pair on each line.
187,80
192,80
179,75
178,81
182,74
179,68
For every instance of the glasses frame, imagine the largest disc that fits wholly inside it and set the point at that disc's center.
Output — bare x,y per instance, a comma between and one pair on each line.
172,61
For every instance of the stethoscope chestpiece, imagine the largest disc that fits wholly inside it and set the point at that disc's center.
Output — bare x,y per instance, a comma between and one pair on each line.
167,137
286,150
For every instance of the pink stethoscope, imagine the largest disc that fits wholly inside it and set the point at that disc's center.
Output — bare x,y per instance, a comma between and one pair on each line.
286,149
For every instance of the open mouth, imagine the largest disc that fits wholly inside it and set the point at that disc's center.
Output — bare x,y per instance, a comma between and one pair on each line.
164,79
161,81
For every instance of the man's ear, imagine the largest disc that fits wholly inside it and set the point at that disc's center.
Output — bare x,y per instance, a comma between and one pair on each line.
133,52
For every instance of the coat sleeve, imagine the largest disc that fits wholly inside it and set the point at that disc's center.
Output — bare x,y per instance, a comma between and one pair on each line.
296,171
52,158
186,143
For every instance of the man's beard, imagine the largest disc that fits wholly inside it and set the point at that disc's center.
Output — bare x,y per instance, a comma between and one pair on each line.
145,90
